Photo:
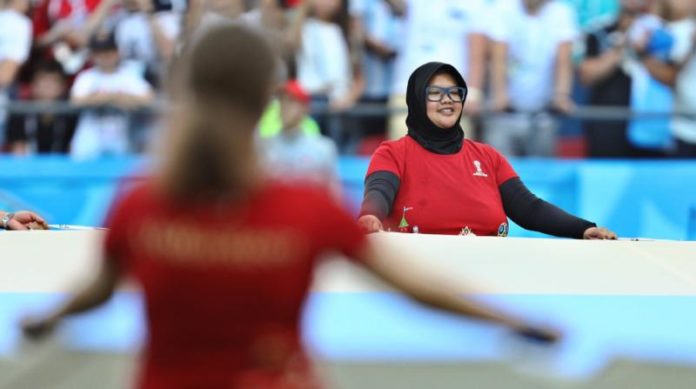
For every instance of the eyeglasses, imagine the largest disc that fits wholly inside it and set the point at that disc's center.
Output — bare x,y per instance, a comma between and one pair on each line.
436,93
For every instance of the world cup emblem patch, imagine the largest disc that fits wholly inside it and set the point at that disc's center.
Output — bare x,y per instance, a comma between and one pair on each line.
503,229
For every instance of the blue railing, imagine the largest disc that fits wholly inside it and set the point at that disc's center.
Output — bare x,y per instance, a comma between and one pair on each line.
635,198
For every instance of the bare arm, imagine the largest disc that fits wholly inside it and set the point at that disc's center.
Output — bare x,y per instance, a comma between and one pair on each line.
597,69
477,44
294,36
563,77
94,21
165,46
121,100
399,7
192,18
8,72
272,15
97,99
499,75
97,292
389,265
664,72
132,101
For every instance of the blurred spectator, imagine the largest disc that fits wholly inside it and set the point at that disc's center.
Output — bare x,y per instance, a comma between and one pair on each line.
271,123
203,14
445,31
147,34
532,74
295,156
377,27
63,28
684,127
15,44
605,70
268,14
43,133
676,68
323,58
107,90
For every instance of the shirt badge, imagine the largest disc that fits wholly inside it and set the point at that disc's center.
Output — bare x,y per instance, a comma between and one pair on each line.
478,171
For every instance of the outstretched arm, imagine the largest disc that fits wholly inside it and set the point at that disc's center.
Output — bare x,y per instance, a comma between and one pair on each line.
94,294
387,263
533,213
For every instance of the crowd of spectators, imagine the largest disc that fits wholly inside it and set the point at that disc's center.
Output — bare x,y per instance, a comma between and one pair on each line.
524,62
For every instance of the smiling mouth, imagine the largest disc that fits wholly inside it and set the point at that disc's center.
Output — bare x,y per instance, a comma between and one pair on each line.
446,111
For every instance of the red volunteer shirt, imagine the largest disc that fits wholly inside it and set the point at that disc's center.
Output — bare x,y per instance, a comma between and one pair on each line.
224,284
445,194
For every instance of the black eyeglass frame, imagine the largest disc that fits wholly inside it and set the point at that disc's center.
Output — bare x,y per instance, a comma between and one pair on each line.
447,91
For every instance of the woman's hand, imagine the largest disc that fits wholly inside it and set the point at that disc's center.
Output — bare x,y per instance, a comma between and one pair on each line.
598,233
370,223
539,335
38,328
26,220
563,103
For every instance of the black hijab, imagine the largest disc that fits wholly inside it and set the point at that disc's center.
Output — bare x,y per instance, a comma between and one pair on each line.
420,128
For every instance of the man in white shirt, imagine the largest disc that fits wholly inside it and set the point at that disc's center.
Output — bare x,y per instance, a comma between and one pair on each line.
109,91
448,31
532,73
377,26
15,44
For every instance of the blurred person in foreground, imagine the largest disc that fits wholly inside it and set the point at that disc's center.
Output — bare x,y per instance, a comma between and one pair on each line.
22,220
435,181
224,258
295,156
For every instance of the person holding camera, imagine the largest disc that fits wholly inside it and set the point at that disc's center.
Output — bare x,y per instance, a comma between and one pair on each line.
605,72
147,34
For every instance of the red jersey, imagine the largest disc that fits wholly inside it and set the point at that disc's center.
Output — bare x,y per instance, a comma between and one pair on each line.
224,284
445,194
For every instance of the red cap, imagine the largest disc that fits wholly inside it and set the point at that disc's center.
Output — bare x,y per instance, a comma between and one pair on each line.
294,90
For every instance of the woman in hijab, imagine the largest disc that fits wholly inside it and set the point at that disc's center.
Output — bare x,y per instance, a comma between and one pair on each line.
225,257
434,181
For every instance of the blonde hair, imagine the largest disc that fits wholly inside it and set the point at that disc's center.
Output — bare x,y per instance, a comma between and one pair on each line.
223,84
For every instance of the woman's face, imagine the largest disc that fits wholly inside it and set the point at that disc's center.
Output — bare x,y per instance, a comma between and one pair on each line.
446,112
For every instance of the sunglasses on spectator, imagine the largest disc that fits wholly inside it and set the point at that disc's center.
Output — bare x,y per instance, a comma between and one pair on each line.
437,93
